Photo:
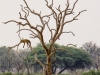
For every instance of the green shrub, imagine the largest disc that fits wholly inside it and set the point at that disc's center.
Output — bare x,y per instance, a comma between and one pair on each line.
98,73
8,73
18,74
91,72
63,74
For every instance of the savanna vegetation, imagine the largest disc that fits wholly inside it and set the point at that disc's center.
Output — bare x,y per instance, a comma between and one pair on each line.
47,57
71,60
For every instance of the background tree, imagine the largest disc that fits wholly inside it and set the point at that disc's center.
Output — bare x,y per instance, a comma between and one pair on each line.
5,64
3,59
75,59
18,61
94,52
58,16
70,59
28,62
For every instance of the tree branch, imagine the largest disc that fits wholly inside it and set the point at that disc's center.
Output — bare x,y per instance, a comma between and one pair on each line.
69,32
20,23
59,15
74,18
26,29
23,9
35,13
39,32
71,45
74,6
38,60
50,7
65,11
34,36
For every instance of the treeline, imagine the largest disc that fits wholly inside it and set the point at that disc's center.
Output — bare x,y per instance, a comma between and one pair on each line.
70,59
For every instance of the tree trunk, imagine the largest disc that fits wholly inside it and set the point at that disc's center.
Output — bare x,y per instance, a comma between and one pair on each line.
62,70
18,71
54,68
28,72
48,69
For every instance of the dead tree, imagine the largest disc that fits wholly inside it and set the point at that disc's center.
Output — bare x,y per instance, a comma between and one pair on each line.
55,33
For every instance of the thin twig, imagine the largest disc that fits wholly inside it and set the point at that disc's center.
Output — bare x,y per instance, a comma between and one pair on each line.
69,32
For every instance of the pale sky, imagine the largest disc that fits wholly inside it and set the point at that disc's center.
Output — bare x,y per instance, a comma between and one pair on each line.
86,28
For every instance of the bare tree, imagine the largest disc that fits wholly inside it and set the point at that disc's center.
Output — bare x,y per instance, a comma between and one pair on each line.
94,52
37,31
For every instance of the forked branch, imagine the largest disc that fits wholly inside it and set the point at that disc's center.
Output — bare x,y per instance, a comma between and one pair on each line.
74,18
35,13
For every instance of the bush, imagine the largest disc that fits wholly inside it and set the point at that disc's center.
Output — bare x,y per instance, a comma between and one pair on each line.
18,74
98,73
63,74
8,73
92,72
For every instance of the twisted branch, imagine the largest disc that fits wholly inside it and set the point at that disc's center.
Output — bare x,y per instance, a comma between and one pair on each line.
26,14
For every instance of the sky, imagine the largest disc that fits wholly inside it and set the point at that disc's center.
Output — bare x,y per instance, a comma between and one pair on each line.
86,28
